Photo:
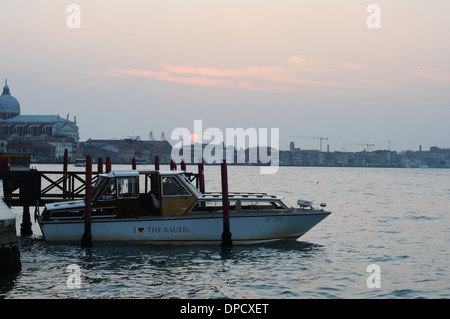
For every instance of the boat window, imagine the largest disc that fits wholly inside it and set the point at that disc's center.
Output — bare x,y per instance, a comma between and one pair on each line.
110,191
172,187
261,205
104,212
212,206
67,213
127,187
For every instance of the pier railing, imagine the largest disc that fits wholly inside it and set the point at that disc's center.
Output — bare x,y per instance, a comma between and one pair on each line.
31,188
37,188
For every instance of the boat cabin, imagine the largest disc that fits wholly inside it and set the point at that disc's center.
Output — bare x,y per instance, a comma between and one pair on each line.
140,193
137,193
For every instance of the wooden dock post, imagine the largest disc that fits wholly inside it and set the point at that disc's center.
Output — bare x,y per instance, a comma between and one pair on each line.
133,163
108,164
157,162
183,165
2,166
65,167
201,176
25,227
86,239
226,235
5,165
100,165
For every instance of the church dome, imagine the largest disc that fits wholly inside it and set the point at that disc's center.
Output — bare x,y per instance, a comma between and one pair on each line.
8,103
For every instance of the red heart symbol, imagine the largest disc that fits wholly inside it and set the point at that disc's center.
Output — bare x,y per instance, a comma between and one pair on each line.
141,229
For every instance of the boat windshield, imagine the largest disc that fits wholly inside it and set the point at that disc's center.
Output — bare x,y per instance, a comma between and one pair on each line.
97,186
110,191
189,184
172,187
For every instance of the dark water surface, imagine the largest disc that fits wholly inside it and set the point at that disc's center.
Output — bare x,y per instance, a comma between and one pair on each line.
396,219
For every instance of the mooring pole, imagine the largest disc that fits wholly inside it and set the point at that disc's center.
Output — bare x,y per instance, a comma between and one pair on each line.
86,240
173,165
157,162
108,164
226,235
65,165
201,176
183,165
133,163
2,166
100,165
25,227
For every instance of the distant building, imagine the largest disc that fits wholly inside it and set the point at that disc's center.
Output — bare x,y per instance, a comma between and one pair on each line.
123,151
14,125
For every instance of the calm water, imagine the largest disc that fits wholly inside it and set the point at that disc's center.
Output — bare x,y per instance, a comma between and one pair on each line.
394,218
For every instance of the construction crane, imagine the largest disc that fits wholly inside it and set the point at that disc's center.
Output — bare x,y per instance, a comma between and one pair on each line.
313,137
367,145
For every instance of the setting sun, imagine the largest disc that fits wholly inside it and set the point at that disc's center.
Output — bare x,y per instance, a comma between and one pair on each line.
194,137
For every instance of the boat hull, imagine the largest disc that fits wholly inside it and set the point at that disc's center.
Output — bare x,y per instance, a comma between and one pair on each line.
200,229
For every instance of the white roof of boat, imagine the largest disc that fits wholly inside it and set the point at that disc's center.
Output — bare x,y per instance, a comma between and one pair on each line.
171,172
147,170
121,173
69,204
133,172
250,196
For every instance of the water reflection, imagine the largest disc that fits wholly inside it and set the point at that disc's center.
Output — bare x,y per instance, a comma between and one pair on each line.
115,270
7,283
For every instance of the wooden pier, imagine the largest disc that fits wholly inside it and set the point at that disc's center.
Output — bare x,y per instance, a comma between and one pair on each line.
22,188
33,188
37,188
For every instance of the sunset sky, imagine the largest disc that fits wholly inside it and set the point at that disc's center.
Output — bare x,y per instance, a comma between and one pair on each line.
309,68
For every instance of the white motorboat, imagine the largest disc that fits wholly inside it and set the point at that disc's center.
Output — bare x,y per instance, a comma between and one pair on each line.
78,162
166,208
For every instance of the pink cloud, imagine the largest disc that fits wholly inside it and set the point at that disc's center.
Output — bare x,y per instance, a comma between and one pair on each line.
322,65
295,74
430,73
